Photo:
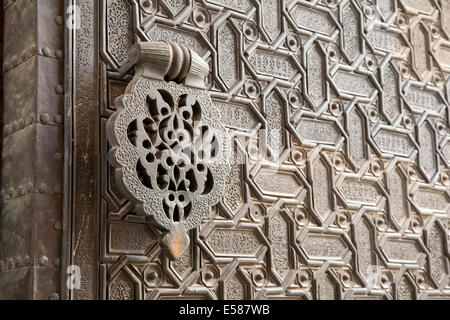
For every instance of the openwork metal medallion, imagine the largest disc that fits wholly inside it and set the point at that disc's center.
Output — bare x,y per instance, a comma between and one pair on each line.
171,153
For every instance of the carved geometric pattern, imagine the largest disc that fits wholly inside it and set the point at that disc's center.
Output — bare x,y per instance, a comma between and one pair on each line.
357,203
118,32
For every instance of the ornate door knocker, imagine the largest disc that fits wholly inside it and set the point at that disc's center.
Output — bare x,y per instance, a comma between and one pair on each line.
169,149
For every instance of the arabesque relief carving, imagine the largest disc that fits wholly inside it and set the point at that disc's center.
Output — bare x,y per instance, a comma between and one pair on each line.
170,151
349,97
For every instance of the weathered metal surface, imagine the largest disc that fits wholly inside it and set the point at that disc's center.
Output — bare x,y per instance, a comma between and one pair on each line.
32,150
345,195
169,148
81,203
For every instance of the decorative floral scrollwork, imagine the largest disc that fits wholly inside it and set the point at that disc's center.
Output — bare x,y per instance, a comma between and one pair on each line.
171,155
175,147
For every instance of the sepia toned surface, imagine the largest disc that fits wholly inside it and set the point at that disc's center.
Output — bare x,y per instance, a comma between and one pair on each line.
169,149
32,157
338,116
353,97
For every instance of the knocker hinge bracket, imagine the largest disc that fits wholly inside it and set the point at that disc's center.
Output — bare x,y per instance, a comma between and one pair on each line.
168,61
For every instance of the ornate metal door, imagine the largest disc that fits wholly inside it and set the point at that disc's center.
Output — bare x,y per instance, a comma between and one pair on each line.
338,116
